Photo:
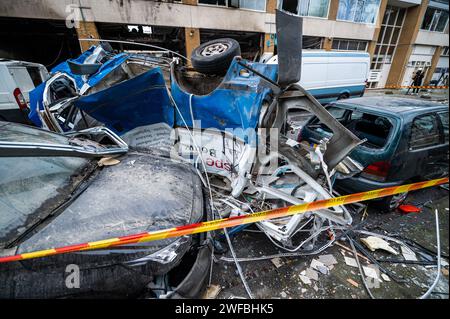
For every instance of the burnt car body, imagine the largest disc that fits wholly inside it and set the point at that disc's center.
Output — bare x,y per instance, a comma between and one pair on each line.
406,140
50,197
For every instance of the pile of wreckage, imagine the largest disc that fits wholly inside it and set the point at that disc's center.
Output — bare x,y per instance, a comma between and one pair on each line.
231,127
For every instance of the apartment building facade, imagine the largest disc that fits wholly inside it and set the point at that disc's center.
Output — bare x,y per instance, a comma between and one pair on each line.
400,35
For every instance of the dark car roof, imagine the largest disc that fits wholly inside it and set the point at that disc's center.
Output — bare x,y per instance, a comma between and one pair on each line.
394,105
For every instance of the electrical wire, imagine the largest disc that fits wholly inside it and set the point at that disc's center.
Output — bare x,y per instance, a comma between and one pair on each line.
438,242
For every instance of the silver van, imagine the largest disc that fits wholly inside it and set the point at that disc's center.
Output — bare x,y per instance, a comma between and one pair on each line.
17,79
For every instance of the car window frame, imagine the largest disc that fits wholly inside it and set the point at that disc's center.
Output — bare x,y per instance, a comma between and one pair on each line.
392,118
441,126
437,121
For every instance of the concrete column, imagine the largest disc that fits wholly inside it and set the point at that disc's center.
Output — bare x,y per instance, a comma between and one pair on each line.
269,43
333,10
269,39
192,40
271,5
413,20
87,29
434,62
190,2
191,35
373,43
327,43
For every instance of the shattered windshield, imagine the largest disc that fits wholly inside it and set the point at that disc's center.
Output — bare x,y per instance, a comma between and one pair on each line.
30,185
10,132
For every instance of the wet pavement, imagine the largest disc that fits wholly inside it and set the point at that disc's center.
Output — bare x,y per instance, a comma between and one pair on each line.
281,278
435,95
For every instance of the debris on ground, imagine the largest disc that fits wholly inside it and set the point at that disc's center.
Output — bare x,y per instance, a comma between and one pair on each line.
352,282
408,209
212,292
328,260
277,262
108,161
408,254
351,261
374,243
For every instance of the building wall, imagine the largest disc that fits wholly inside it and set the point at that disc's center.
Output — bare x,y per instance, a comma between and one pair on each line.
187,14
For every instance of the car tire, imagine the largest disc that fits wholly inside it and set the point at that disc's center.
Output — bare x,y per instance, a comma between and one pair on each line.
391,203
215,57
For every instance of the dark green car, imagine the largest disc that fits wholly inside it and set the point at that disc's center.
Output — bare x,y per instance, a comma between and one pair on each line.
406,141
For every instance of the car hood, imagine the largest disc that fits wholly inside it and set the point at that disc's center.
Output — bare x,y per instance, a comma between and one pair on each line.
142,193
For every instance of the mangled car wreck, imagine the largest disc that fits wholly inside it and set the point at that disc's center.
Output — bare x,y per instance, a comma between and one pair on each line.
159,114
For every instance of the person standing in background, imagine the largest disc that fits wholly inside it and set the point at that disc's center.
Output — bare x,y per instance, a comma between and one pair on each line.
417,80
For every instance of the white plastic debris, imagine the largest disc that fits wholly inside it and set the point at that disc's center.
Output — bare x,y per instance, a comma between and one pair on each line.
305,280
385,277
328,260
291,142
350,261
277,262
408,254
312,274
374,243
371,272
315,264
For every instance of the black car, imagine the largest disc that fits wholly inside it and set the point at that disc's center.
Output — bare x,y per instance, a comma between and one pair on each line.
54,192
406,141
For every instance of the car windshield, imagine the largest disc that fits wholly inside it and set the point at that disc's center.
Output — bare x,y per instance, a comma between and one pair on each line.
372,127
30,187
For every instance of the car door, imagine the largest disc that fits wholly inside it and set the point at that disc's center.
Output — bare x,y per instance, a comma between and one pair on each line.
426,147
444,128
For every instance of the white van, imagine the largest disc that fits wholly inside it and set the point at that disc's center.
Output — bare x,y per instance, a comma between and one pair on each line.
333,75
17,79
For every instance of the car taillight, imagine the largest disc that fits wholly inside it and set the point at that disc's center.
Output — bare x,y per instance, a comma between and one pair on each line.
20,99
377,171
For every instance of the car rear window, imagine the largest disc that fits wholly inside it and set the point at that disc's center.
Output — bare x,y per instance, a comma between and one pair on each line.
374,128
424,132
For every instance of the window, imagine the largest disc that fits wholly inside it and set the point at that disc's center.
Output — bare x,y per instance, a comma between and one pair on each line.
259,5
374,128
337,112
214,2
360,11
444,121
424,132
445,51
391,25
307,8
349,45
312,42
435,20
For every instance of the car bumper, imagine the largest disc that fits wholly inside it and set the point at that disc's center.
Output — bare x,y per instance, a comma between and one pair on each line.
360,184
